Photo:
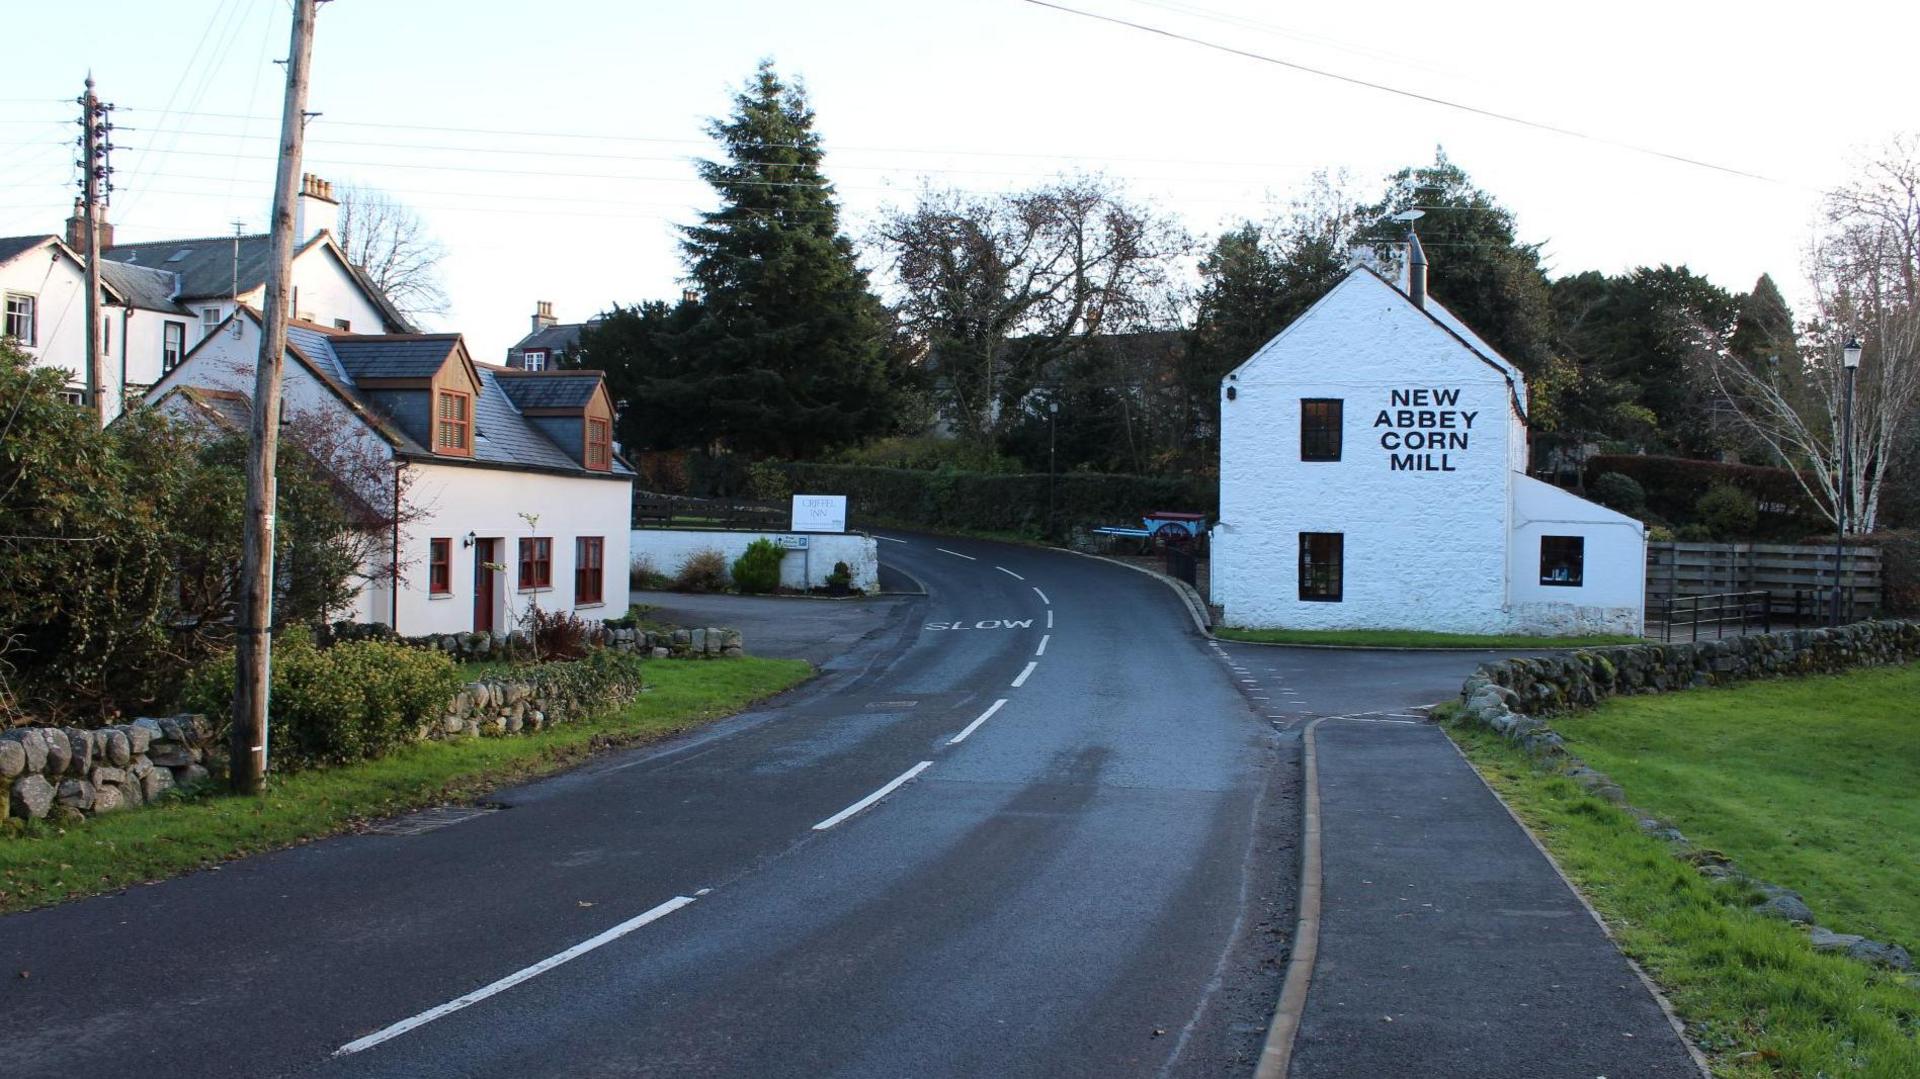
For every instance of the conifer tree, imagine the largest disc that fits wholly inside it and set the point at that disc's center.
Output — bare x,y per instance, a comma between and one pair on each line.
789,345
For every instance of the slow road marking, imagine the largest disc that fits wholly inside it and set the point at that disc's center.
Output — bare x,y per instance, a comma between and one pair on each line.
1010,573
975,725
863,803
956,554
1021,680
515,978
1049,614
1042,595
1042,650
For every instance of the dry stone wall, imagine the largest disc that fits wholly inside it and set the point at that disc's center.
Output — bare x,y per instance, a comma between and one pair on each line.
67,772
1511,696
710,642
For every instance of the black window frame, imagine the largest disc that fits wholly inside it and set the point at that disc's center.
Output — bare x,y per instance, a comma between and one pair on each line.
1578,546
1321,440
1323,586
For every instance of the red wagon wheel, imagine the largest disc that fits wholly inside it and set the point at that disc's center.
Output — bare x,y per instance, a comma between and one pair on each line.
1172,535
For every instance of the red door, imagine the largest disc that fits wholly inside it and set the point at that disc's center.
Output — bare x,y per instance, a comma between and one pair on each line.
483,553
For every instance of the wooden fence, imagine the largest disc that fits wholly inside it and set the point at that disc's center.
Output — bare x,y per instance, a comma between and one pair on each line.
1799,577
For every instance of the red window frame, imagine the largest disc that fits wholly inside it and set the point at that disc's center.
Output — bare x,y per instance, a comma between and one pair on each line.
589,573
599,444
536,562
440,567
453,433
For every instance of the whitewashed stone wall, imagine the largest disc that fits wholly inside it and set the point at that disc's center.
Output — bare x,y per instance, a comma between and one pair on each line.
666,549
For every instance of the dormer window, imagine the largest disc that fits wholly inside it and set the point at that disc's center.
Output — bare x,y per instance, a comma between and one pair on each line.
453,426
534,359
599,444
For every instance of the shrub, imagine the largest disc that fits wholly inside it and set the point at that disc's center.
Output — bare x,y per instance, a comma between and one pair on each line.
757,570
1728,511
841,577
559,635
353,701
702,571
1693,533
766,482
643,574
1618,492
1674,484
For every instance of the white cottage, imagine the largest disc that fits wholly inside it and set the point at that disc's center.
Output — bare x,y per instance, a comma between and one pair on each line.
1373,476
471,447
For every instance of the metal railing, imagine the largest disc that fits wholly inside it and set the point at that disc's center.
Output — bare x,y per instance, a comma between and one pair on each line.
1744,610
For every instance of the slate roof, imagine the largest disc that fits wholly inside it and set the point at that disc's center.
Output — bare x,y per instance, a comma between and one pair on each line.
503,437
383,356
12,247
559,337
213,267
538,390
142,286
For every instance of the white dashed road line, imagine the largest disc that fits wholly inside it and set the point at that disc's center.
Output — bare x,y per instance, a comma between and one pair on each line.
889,539
1042,595
1049,615
975,725
516,977
956,554
863,803
1042,650
1010,573
1022,679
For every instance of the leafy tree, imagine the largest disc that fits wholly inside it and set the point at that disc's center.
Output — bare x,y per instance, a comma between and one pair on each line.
662,387
787,345
1479,268
1763,330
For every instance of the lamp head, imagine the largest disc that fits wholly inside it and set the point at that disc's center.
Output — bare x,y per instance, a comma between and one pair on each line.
1850,352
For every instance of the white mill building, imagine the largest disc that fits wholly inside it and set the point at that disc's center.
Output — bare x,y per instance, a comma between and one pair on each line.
1373,464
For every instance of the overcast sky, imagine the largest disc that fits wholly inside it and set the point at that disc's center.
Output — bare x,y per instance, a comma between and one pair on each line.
548,145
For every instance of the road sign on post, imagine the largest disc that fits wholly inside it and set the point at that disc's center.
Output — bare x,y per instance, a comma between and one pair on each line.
819,513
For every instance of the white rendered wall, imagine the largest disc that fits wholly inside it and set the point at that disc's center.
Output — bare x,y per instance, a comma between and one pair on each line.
226,361
1611,597
59,289
666,549
455,500
328,292
1424,549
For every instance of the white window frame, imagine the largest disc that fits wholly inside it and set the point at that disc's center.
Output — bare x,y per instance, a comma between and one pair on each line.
177,345
31,316
534,359
209,321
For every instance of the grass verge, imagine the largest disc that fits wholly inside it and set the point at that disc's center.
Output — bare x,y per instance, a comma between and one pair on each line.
1806,783
48,864
1755,996
1412,638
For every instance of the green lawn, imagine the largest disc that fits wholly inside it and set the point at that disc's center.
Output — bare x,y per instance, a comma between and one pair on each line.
1410,638
48,864
1781,777
1808,783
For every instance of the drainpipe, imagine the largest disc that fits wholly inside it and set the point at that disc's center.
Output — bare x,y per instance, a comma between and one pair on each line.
393,616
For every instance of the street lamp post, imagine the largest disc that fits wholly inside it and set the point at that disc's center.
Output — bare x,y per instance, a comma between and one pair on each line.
1850,357
1053,411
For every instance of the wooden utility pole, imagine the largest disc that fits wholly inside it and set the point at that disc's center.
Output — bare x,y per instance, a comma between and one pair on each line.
93,180
247,751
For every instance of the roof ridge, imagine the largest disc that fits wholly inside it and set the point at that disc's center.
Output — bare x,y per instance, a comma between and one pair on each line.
189,240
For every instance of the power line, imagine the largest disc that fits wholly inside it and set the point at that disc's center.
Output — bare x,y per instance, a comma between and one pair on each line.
1413,94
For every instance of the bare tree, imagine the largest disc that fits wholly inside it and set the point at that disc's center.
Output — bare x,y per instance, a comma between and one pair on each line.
1865,271
1001,286
390,243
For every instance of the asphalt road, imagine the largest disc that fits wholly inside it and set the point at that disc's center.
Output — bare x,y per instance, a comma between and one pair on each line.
1093,881
819,631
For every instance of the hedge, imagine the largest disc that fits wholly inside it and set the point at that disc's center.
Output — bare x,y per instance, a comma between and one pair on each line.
996,502
1674,486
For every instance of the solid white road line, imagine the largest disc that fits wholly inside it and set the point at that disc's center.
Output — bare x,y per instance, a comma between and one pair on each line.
1042,595
1049,615
956,554
515,978
1022,680
874,797
975,725
1042,650
1010,573
889,539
